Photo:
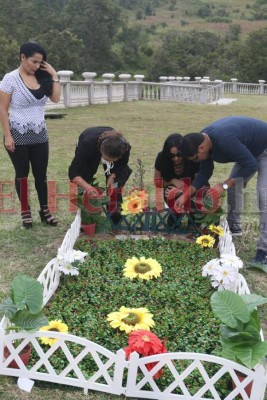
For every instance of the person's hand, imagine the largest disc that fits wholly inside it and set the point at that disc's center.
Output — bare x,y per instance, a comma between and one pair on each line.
45,66
179,203
93,192
110,181
219,189
10,144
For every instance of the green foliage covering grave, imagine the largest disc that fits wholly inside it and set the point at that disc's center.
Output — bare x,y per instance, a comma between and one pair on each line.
178,299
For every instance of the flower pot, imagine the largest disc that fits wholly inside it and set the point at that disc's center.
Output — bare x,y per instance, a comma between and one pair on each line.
24,355
89,229
247,389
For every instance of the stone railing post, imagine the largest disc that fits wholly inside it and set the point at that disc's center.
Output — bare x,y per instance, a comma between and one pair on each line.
198,79
171,78
139,81
125,78
64,77
90,77
234,80
179,78
261,86
203,93
220,90
107,78
186,78
163,79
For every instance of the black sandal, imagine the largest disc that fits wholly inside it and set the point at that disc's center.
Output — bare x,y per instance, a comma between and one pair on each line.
47,217
26,219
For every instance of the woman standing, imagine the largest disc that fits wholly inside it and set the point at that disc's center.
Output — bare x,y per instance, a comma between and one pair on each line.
23,95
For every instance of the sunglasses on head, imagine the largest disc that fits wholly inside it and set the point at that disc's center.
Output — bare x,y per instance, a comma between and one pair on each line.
173,155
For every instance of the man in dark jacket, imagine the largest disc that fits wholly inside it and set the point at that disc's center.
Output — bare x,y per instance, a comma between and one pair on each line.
241,140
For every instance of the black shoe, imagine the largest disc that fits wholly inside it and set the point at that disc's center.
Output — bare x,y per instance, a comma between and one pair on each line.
260,259
26,219
235,230
47,217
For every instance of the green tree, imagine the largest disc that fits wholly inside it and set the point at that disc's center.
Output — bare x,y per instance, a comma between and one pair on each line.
25,20
185,54
96,22
133,50
253,58
9,50
65,51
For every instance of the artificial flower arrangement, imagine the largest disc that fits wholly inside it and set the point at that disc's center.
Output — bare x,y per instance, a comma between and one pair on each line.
223,272
68,262
53,326
137,321
143,268
210,240
146,343
135,203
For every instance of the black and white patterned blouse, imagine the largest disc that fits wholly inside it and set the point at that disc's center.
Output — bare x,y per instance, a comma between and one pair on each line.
26,114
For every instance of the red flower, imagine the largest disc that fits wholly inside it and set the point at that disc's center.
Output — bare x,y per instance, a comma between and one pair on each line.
145,343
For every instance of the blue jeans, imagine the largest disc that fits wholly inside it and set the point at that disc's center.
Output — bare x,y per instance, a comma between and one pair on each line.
235,198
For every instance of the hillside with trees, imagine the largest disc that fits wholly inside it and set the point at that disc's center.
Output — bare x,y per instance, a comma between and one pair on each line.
222,39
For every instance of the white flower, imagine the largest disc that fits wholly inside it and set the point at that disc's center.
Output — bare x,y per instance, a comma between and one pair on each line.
225,276
68,269
208,268
232,259
68,262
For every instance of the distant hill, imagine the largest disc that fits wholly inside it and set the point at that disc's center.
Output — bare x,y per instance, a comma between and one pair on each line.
214,16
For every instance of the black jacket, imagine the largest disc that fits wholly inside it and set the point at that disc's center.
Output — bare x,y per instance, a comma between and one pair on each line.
87,157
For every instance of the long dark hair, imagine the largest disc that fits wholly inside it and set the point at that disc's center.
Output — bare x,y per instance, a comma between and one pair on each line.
43,77
172,140
113,144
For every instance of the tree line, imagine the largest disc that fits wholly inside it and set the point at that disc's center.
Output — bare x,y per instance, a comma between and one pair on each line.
96,36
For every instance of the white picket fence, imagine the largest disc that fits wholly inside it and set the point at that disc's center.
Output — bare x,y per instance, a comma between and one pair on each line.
112,373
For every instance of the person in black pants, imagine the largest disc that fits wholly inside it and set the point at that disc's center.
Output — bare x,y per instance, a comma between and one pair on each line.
102,145
23,94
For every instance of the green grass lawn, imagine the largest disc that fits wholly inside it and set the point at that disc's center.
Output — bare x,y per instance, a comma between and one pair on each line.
145,125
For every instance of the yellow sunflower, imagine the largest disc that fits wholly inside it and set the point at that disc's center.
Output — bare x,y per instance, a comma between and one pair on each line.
131,319
143,268
131,205
205,241
216,229
54,326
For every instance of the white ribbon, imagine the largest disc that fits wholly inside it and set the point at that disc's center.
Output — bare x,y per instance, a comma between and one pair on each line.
108,164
